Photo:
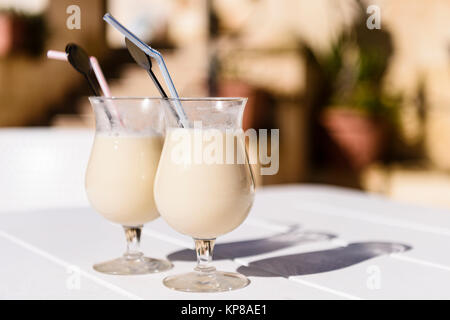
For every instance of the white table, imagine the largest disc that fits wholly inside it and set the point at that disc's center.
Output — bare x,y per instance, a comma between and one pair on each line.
299,242
327,243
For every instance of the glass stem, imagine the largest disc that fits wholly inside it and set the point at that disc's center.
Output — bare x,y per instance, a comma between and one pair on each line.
204,249
133,236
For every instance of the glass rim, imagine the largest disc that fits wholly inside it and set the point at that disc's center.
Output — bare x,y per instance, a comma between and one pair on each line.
187,99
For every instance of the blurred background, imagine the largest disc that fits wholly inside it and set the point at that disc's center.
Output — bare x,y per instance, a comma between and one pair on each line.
362,108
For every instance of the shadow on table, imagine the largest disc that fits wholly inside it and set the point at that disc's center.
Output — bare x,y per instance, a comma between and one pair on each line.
320,261
238,249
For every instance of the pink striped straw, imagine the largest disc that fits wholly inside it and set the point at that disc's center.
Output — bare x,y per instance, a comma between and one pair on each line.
100,77
103,84
60,55
57,55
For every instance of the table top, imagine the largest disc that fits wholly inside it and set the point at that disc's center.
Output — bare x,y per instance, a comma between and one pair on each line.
299,242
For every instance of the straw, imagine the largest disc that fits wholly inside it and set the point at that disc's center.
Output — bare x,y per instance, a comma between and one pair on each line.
103,84
60,55
159,59
100,77
57,55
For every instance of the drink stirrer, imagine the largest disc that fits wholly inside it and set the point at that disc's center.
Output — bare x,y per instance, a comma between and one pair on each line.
145,62
79,59
81,62
181,115
60,55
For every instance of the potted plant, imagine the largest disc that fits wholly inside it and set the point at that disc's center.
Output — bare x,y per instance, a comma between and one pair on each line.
21,33
361,124
359,114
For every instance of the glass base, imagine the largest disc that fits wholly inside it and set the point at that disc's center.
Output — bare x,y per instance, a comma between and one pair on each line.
217,281
127,266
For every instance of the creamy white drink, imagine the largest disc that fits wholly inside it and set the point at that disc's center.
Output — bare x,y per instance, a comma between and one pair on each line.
120,177
199,198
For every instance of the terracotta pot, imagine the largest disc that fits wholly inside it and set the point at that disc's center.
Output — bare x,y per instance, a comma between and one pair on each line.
258,111
6,34
240,89
359,138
